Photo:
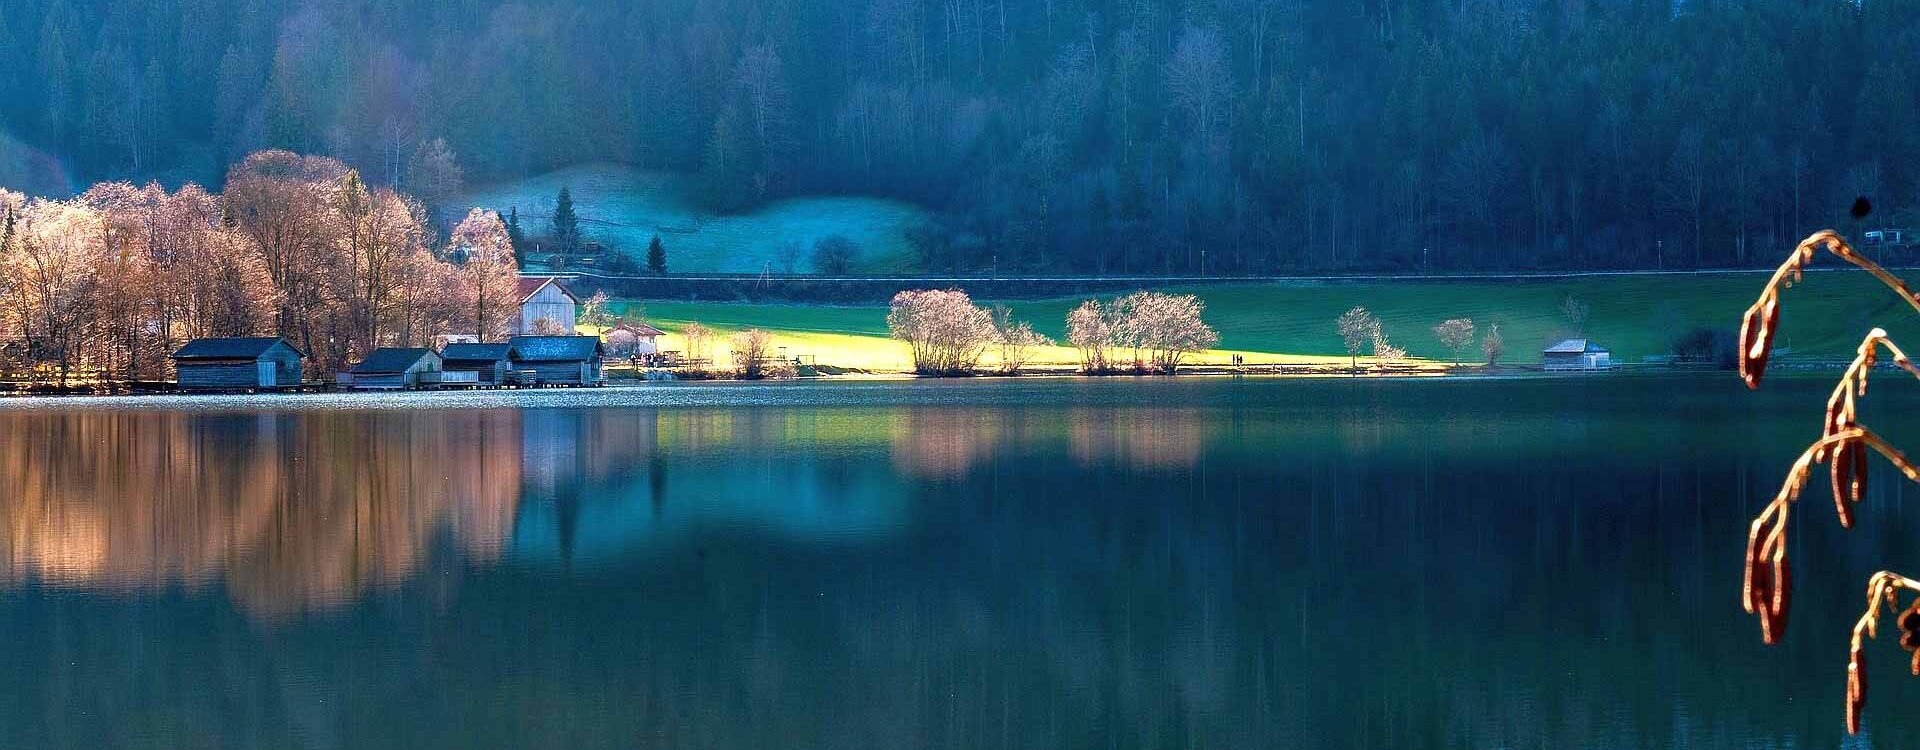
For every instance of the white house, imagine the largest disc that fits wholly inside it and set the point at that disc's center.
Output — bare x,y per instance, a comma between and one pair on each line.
632,340
1576,354
546,308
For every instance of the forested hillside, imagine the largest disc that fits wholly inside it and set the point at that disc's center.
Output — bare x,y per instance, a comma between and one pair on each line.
1145,135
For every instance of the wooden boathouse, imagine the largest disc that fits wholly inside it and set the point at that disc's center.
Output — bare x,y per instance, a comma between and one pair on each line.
558,360
238,364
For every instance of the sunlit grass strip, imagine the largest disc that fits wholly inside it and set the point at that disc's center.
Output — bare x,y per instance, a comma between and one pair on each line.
1844,445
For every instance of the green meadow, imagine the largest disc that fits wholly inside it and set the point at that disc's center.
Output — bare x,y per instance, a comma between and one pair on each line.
1635,316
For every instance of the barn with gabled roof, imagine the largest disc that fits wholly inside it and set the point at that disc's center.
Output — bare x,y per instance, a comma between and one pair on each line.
547,307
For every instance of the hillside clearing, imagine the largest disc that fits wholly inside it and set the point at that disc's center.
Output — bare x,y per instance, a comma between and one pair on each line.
625,208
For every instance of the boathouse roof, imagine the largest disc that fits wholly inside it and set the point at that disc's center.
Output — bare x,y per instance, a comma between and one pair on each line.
1575,346
474,352
245,347
390,360
555,348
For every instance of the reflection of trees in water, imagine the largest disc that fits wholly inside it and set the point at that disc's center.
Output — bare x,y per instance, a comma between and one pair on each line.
1139,438
289,512
1413,594
949,442
942,442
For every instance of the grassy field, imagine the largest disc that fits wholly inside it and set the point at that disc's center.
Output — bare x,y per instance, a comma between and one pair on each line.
625,208
1635,316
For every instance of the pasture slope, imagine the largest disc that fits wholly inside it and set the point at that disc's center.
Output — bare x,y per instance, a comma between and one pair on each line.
1636,316
626,207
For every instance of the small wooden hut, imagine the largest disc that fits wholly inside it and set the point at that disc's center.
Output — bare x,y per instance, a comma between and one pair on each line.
1576,354
396,369
488,362
558,360
238,364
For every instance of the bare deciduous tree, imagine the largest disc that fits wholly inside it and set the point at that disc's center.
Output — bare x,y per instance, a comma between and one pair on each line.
698,337
1455,334
1016,340
1090,331
380,244
946,331
1576,312
593,311
1199,80
753,354
1385,351
434,174
1167,326
51,264
488,274
279,199
1358,328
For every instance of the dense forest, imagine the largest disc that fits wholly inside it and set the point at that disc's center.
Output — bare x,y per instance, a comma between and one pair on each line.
1217,136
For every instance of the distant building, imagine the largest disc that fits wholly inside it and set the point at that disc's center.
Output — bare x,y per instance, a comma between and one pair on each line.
626,340
1576,354
488,362
1888,238
234,364
558,360
395,369
440,341
547,307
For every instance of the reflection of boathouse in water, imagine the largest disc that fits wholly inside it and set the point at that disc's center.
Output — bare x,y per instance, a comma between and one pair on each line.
604,484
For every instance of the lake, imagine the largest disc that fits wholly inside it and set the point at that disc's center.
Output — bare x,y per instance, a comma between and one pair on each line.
1149,563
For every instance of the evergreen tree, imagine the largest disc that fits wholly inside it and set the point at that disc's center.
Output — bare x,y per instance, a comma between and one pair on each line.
515,234
566,224
656,256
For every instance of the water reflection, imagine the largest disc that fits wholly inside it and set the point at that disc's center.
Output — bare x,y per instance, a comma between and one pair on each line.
1140,438
286,513
1323,566
300,512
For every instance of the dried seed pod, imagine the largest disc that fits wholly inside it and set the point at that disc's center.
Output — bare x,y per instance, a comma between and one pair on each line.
1859,488
1827,430
1764,600
1836,420
1856,688
1756,340
1909,640
1910,619
1842,466
1782,589
1757,586
1773,616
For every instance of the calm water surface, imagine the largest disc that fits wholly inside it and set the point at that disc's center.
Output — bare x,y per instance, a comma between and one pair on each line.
1122,563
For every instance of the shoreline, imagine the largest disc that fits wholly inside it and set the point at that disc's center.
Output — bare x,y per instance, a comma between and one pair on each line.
676,393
